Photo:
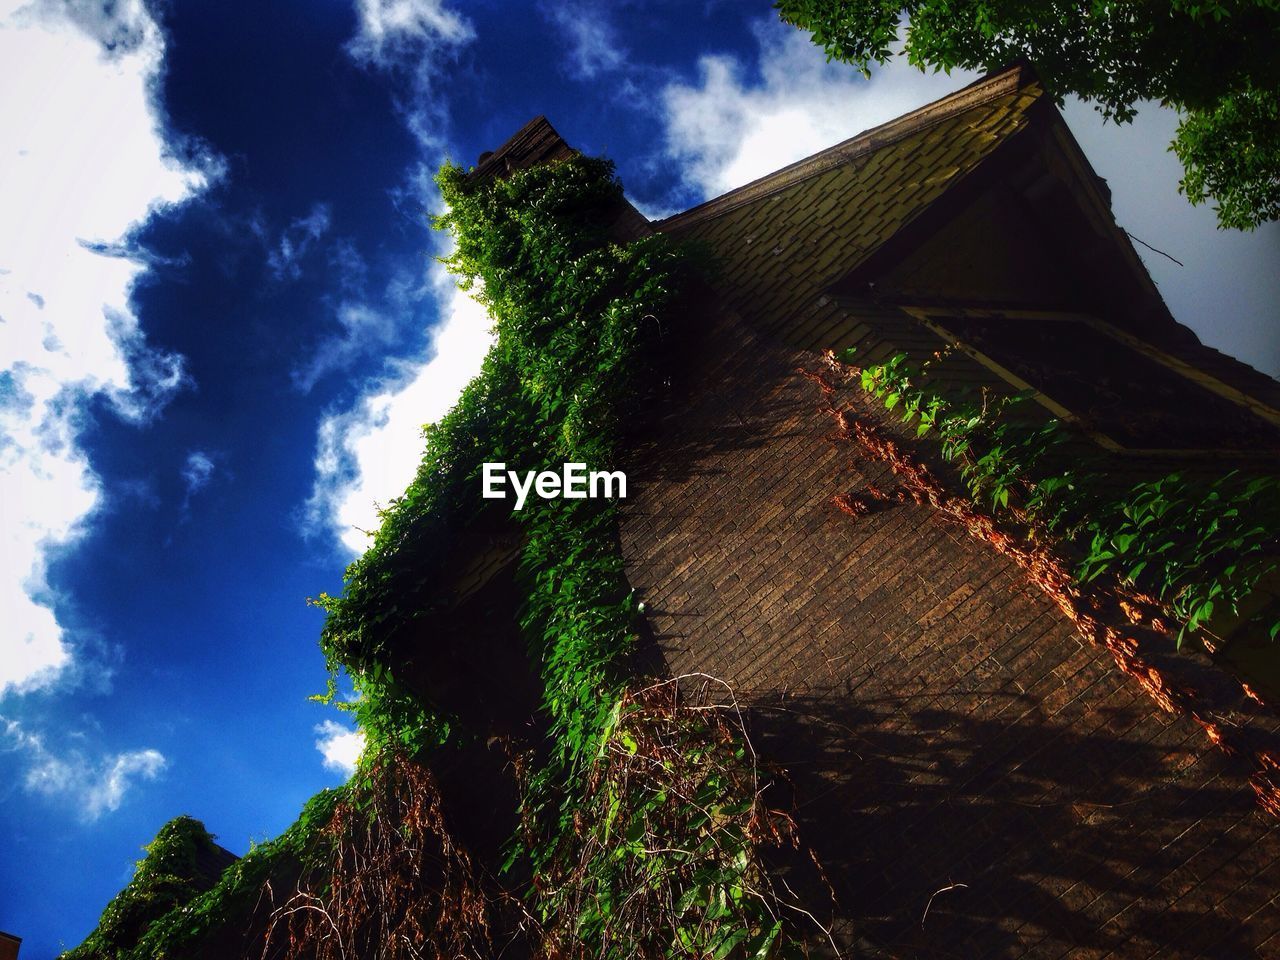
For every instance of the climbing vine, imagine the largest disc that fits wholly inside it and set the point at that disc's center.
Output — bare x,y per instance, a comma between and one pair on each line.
584,323
660,852
643,822
171,907
169,876
578,321
1197,544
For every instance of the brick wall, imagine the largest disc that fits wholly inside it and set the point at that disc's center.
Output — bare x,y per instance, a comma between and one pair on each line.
954,746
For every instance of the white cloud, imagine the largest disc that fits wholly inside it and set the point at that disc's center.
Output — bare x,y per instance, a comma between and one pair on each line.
593,45
412,37
341,747
367,455
296,241
197,471
93,787
736,124
391,31
107,788
83,162
363,330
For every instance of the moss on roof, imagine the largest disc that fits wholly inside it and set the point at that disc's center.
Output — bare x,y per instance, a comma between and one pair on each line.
781,250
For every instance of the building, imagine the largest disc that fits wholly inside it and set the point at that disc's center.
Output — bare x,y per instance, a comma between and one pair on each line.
987,757
978,777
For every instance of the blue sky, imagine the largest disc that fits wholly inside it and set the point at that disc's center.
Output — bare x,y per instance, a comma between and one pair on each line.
221,329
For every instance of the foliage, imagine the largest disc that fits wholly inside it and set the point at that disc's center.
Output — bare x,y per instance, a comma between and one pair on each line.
393,885
1231,152
1200,545
583,320
1197,544
231,901
576,320
993,448
1211,59
168,877
580,616
580,325
662,852
170,906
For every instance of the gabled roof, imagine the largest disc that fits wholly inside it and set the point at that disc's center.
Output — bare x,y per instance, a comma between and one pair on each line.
789,236
796,245
995,87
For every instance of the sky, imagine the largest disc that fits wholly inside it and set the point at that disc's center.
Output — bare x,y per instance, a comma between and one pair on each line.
222,327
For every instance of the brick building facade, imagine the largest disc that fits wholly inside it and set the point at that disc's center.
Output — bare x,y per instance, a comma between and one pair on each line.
977,778
983,765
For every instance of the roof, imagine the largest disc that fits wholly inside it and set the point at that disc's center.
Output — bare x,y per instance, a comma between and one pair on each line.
996,86
787,237
808,252
795,244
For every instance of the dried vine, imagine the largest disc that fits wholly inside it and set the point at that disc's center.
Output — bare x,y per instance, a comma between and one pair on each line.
666,856
1087,606
395,887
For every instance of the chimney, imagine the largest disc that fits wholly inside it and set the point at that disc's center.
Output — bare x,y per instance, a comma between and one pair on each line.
9,946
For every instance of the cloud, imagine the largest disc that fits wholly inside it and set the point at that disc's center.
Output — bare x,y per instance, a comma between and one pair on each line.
84,161
740,122
411,38
197,471
364,329
93,787
296,241
593,46
391,32
341,747
348,265
368,454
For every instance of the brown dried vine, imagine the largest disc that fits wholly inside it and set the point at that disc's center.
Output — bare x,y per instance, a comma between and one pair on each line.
396,887
1048,571
666,857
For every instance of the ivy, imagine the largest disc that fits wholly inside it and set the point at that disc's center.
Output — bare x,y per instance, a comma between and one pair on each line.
583,322
578,321
231,901
1198,544
168,908
660,852
168,877
582,327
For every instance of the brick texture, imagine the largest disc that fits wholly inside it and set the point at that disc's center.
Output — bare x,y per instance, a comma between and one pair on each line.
953,745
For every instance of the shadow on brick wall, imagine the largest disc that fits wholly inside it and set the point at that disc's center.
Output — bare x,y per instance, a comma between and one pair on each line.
1014,839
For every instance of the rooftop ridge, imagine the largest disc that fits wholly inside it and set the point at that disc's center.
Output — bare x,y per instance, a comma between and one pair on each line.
998,84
